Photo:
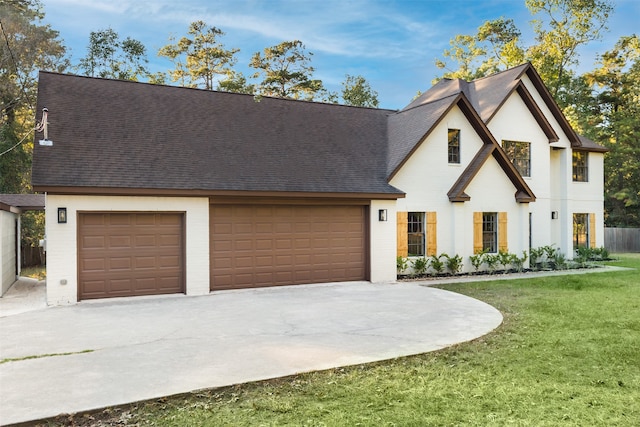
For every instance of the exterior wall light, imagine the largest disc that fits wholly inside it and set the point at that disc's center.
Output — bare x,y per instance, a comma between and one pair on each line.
554,214
62,215
382,215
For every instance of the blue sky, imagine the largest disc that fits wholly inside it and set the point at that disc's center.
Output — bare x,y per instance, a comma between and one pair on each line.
392,43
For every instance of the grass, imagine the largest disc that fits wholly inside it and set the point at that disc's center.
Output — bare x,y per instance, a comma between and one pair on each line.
36,272
567,354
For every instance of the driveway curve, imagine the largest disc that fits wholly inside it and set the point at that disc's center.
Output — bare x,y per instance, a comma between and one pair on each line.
97,354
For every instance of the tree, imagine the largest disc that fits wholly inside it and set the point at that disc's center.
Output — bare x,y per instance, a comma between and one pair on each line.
110,57
565,26
356,91
561,27
286,72
26,46
494,47
201,61
616,122
236,82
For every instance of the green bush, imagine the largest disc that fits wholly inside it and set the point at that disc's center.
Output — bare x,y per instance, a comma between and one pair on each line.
454,263
477,260
436,263
420,266
401,264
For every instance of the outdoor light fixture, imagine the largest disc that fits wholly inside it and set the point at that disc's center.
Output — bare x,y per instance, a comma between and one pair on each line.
62,215
382,215
554,214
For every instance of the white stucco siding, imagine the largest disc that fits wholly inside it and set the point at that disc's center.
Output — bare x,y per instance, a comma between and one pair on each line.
492,191
383,240
7,249
514,122
426,176
62,254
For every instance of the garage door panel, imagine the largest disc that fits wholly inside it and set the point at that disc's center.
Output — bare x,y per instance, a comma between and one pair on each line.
129,254
282,244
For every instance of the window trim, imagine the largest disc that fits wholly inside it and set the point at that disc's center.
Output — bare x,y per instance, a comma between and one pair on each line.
453,147
580,166
521,163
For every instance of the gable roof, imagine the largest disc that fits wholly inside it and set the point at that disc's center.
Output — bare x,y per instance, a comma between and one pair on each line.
118,136
409,128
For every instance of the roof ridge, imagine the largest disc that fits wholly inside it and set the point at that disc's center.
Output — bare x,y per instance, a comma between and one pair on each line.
256,97
430,102
500,72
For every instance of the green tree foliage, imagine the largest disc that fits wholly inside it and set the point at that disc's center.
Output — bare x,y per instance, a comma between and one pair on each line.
357,91
560,28
201,60
286,72
110,57
26,46
615,121
494,47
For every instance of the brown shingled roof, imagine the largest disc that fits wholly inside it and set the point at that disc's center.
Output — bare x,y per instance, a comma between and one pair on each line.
24,201
127,135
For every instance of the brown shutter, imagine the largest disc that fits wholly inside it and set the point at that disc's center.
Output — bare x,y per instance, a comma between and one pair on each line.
503,241
477,232
592,230
403,242
432,234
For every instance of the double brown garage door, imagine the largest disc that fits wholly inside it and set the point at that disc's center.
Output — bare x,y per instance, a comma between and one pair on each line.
271,245
130,254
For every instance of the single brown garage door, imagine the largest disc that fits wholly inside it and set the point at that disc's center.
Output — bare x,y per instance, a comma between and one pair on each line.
254,246
130,254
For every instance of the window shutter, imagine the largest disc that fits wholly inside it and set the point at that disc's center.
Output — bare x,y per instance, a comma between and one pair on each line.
503,241
432,233
592,230
403,242
477,232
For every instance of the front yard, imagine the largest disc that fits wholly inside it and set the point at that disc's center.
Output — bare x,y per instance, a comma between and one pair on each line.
567,354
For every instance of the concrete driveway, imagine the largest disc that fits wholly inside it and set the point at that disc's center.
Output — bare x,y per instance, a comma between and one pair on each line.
97,354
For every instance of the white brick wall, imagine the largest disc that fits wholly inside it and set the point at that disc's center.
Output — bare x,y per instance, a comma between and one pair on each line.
62,239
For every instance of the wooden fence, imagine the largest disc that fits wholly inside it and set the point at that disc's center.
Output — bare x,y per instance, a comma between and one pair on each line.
31,256
622,239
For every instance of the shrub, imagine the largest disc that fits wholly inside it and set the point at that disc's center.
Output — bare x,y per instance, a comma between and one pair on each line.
518,262
492,261
560,261
535,257
582,255
505,259
436,263
401,264
420,266
454,263
477,260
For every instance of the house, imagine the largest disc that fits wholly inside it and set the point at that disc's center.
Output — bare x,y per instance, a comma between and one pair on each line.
154,189
11,207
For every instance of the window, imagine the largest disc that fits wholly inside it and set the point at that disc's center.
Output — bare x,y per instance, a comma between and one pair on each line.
520,155
580,166
490,232
415,233
580,230
454,145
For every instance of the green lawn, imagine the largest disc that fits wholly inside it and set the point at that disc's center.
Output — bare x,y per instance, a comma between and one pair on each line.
568,353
